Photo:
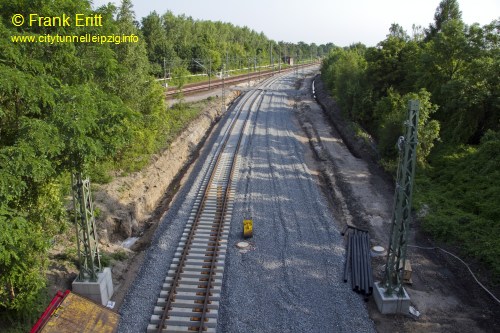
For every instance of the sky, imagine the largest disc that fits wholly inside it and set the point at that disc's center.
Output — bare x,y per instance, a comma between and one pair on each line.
342,22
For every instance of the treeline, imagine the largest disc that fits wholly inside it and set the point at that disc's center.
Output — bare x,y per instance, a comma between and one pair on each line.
175,42
452,68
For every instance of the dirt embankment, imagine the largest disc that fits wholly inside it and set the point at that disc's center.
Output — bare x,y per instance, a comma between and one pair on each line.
128,202
360,147
362,187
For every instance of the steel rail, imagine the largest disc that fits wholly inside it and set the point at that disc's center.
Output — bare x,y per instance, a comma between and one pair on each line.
221,222
194,88
196,221
214,240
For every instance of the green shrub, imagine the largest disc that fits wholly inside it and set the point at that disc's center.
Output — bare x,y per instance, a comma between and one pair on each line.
462,189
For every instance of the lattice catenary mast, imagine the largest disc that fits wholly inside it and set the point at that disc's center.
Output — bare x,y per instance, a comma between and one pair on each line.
396,255
86,232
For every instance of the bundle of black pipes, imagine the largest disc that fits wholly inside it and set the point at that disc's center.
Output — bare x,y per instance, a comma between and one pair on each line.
359,259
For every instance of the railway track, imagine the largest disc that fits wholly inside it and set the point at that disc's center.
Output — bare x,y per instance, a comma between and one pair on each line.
205,86
189,299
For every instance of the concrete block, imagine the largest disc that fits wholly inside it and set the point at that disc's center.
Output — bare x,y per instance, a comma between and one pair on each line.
390,304
99,291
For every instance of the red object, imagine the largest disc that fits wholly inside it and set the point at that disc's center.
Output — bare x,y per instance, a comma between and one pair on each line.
56,301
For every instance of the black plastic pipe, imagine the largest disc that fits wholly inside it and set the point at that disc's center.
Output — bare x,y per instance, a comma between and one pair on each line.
347,258
369,266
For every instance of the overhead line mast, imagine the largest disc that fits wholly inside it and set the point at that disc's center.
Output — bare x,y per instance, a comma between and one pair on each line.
390,295
86,232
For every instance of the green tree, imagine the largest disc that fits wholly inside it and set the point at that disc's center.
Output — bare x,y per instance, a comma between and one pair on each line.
179,76
133,61
160,50
138,90
391,113
346,75
392,64
457,68
446,11
21,269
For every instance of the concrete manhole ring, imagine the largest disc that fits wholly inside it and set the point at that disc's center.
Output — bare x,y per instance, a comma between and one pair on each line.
242,245
378,250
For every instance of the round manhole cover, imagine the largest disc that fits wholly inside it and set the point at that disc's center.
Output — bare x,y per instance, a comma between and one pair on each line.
242,245
378,250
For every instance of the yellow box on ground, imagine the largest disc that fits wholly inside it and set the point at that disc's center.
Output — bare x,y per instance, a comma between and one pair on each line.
247,228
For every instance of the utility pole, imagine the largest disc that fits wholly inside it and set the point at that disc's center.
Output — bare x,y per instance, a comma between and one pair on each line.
249,64
271,62
389,294
286,57
223,108
93,281
209,69
280,61
165,71
297,65
259,68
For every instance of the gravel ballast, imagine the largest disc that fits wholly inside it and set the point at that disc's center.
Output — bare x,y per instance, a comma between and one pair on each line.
290,277
141,298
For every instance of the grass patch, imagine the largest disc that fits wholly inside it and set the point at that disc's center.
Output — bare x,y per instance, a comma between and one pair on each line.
462,188
119,255
359,132
109,258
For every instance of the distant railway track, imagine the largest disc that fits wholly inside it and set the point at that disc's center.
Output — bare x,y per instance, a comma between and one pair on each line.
189,299
205,86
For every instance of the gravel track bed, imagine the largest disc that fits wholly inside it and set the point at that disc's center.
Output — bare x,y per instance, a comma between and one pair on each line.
139,303
291,278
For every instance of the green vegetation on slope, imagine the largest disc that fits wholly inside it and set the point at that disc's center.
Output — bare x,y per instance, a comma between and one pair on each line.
452,68
462,191
63,106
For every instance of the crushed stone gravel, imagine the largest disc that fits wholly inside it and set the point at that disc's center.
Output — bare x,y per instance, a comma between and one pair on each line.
290,278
